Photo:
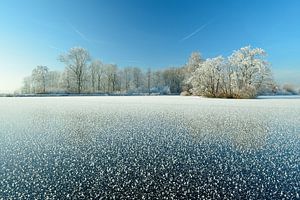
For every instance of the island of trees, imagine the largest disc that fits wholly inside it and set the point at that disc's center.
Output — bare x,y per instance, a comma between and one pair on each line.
244,74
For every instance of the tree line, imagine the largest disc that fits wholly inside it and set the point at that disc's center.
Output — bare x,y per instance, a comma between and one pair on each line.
244,74
84,75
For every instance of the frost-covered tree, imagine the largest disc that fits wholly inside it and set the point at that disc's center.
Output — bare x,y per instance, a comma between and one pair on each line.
39,78
76,61
208,78
189,68
252,73
245,74
193,63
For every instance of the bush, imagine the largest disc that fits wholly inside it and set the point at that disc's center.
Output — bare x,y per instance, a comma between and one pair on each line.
290,89
185,93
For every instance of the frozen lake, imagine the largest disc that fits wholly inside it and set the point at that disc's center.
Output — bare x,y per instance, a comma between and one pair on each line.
149,147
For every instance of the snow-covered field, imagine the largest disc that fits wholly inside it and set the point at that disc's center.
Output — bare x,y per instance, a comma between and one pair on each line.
156,147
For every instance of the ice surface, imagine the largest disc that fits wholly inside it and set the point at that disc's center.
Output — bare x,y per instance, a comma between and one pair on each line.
164,147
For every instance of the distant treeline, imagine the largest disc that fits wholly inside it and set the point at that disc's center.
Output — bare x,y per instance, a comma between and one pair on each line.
83,75
244,74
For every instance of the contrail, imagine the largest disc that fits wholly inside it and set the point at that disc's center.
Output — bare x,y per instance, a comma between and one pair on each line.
195,32
83,36
79,33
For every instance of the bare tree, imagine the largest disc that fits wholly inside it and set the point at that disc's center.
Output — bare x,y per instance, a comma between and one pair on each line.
54,81
96,72
39,78
111,74
67,81
127,77
100,74
27,85
173,77
76,61
137,77
149,80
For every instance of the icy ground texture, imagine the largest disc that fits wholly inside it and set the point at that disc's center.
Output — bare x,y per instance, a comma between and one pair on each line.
149,148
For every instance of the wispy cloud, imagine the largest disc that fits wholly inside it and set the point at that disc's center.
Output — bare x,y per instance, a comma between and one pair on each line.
196,31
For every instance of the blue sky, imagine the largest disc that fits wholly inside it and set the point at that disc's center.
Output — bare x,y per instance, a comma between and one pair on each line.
145,33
